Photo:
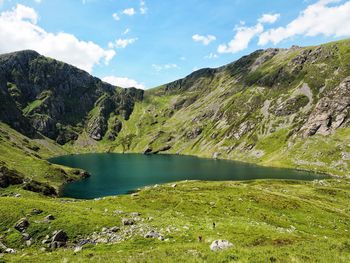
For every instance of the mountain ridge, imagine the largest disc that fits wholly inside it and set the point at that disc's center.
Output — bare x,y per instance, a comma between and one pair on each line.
275,107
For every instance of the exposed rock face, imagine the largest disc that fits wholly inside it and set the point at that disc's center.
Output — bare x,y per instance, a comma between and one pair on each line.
53,98
331,112
38,187
9,177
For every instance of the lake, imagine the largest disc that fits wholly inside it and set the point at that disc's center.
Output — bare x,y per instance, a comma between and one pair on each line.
114,174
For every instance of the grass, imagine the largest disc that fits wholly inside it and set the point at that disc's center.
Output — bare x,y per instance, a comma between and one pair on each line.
267,221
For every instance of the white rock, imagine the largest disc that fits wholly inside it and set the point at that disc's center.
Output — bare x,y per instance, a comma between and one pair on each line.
77,249
220,245
10,251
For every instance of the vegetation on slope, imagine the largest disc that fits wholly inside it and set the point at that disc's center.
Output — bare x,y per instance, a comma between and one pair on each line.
266,221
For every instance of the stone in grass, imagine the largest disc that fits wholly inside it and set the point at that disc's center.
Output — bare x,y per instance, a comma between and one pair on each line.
50,217
22,224
154,234
36,211
220,245
59,239
128,222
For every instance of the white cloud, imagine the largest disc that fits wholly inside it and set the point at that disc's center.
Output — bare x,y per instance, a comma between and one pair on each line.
242,39
116,17
159,68
211,56
143,7
122,42
320,18
126,31
129,11
205,40
19,30
269,18
123,82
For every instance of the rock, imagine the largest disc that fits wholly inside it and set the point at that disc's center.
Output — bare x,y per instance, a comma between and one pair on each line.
193,134
135,214
39,187
114,229
9,177
22,225
216,155
25,236
128,222
330,113
220,245
59,239
173,185
36,211
29,242
45,241
77,249
148,151
17,195
50,217
152,234
10,251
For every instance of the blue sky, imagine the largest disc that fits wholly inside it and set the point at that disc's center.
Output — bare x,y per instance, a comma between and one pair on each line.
146,43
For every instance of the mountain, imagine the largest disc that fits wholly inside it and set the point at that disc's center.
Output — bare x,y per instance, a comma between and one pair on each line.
276,107
45,96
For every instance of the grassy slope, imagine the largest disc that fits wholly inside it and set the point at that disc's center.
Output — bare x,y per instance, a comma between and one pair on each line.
27,156
267,221
271,136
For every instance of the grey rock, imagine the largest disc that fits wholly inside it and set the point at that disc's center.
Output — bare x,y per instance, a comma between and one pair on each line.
152,234
50,217
36,211
331,112
128,221
60,236
22,225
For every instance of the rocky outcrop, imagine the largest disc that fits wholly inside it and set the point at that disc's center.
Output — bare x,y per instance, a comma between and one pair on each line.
331,112
39,187
9,177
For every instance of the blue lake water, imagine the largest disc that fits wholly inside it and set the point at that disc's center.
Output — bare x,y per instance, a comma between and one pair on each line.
114,174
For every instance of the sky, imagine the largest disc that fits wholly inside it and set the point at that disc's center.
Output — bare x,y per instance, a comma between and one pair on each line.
146,43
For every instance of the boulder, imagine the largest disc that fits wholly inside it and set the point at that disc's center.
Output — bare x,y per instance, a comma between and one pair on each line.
220,245
22,225
153,234
128,221
59,239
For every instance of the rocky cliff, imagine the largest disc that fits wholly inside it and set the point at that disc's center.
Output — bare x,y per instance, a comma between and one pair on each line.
48,97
